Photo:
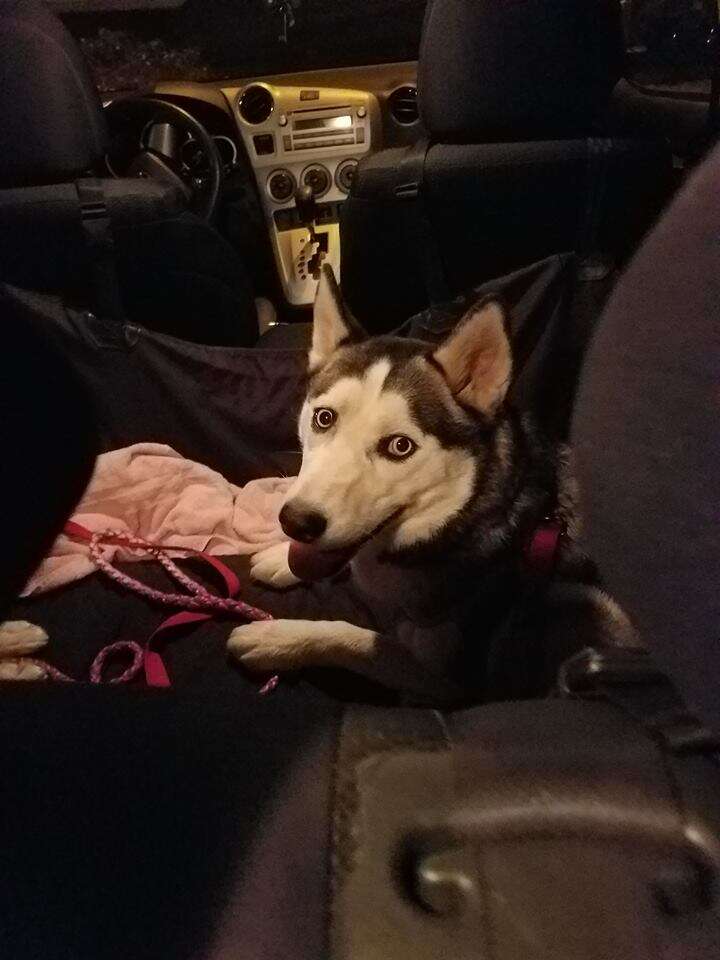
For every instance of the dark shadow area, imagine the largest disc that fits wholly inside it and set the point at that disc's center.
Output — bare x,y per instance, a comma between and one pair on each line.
207,39
137,810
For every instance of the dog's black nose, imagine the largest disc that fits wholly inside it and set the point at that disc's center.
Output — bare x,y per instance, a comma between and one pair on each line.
302,524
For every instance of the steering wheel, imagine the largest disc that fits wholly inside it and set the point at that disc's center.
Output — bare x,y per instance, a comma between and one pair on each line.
164,128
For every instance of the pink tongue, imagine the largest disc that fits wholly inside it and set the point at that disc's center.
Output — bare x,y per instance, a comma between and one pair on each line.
309,563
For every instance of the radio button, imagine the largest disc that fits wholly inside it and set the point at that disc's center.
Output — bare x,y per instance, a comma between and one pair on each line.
264,144
362,112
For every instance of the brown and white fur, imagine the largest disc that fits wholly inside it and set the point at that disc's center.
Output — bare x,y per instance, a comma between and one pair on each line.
19,642
438,531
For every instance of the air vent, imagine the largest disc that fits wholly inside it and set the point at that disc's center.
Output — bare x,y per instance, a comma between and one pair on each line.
256,104
403,105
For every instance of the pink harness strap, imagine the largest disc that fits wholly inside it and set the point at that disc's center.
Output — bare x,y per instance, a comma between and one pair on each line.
541,551
198,603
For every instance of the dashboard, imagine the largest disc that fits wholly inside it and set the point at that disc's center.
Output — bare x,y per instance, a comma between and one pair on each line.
307,131
303,136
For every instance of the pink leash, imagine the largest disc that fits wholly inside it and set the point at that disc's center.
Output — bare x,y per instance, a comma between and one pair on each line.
198,603
96,669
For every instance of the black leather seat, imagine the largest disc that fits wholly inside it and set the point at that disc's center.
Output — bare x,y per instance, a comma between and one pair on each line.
516,167
176,273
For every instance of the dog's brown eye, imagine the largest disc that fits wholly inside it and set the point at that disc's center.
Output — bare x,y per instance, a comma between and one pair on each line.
397,448
324,417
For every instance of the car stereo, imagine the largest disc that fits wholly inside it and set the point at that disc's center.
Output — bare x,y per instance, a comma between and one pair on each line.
321,129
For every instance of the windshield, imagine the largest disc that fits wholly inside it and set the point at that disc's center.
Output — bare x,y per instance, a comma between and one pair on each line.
133,50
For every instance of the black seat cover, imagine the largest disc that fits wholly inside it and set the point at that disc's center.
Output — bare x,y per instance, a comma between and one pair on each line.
50,442
177,274
517,169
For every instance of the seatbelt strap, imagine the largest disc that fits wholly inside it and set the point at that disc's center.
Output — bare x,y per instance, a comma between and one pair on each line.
630,680
594,265
713,121
100,245
411,190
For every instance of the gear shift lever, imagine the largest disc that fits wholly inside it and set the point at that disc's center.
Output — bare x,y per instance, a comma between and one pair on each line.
307,208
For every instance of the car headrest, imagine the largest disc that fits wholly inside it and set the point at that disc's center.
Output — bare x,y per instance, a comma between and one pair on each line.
42,242
50,112
509,70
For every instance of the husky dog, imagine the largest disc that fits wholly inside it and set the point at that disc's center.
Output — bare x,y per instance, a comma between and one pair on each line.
418,473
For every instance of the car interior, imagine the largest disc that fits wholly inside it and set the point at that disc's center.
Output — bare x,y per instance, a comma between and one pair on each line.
161,243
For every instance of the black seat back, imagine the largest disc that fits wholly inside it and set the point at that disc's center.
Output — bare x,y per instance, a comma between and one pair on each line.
175,274
516,168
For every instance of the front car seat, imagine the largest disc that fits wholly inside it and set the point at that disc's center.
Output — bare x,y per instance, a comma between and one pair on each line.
175,273
515,167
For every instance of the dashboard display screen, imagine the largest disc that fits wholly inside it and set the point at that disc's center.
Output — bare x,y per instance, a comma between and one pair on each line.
323,123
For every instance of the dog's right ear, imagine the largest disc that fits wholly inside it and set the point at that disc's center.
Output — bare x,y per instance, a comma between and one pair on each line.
331,326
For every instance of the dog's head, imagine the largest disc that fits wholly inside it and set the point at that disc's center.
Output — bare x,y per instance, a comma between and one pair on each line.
389,432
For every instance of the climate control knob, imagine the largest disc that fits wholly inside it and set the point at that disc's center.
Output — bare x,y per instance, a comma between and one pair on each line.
281,185
318,178
345,175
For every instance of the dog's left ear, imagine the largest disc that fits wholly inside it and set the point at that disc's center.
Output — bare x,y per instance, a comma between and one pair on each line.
476,359
331,325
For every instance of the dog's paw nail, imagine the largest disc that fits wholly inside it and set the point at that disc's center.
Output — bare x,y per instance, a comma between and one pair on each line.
18,638
270,567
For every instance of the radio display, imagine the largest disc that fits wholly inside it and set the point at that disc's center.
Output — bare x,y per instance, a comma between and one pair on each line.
324,123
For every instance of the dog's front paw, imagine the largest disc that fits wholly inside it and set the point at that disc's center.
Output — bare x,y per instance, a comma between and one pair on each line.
271,645
21,669
270,567
18,638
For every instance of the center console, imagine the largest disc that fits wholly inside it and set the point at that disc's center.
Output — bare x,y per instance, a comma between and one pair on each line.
309,138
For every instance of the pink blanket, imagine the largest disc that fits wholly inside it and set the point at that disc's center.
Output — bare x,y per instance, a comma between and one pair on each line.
150,490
